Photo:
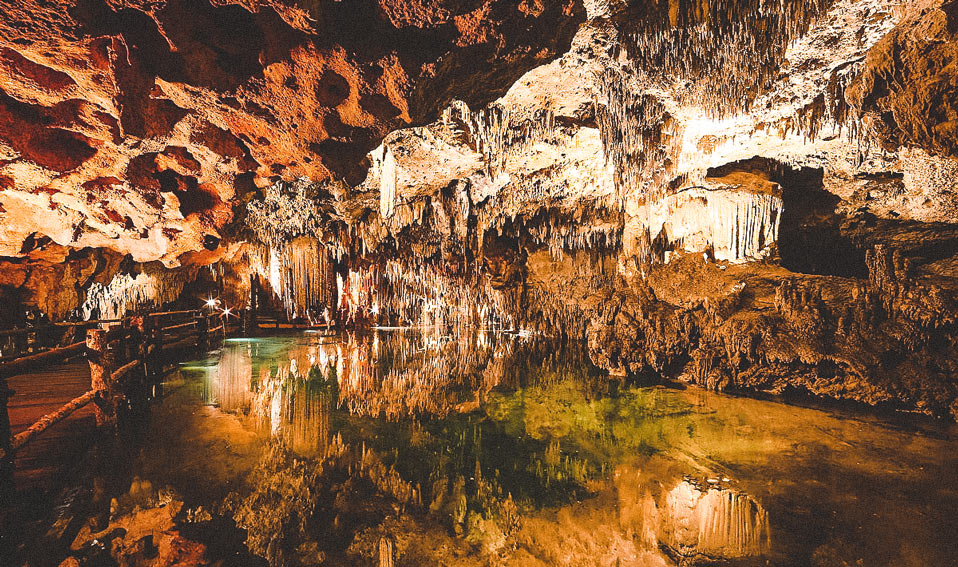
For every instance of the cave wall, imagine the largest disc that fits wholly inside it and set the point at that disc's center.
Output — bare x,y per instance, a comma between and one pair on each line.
740,194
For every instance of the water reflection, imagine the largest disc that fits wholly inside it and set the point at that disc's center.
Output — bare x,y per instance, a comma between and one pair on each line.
404,374
514,446
714,521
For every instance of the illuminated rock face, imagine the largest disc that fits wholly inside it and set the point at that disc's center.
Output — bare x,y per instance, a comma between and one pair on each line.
127,292
699,190
137,127
731,225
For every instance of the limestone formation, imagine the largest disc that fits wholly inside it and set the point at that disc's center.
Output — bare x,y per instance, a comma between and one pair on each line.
749,195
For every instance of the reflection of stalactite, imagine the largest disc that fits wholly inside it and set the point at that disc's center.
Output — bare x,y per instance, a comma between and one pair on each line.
392,375
714,522
307,420
292,400
385,552
415,373
232,380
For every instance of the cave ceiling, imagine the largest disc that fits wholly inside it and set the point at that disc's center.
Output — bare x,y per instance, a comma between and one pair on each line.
142,127
175,131
749,194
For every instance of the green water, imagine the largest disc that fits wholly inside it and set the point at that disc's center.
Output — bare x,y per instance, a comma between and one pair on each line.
497,449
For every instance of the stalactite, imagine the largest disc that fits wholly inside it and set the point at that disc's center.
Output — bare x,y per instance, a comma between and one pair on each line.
424,293
500,132
288,210
561,235
127,293
387,186
734,225
700,46
638,135
307,275
299,273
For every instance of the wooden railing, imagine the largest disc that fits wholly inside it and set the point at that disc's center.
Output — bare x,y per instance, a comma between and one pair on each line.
126,359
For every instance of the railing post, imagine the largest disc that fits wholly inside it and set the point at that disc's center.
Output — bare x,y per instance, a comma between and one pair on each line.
146,350
153,345
138,385
158,338
125,351
6,439
203,331
100,381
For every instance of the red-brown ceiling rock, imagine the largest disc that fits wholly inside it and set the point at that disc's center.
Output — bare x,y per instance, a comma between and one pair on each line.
135,126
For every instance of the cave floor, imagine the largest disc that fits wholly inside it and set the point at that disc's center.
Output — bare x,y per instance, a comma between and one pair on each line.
39,394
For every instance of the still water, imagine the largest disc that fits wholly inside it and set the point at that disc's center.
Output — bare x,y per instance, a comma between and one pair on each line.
413,447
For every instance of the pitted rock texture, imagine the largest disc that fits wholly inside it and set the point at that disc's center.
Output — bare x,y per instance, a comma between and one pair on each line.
909,87
137,126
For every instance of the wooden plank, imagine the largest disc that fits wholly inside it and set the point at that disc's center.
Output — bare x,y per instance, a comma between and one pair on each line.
51,419
38,394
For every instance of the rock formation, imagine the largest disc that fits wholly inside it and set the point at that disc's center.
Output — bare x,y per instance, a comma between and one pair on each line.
742,194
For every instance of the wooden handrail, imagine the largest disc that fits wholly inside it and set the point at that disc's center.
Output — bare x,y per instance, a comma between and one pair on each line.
27,330
47,326
163,313
47,421
121,371
106,388
43,358
180,326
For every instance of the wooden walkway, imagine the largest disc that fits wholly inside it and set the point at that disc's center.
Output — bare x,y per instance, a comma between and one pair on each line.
52,402
42,392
